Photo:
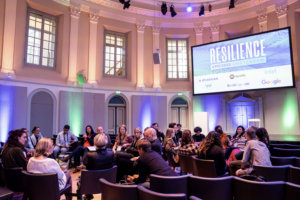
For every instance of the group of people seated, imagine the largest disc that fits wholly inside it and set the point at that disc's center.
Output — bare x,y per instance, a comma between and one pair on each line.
142,154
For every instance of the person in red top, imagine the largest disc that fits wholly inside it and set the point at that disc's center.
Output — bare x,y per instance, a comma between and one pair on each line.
88,140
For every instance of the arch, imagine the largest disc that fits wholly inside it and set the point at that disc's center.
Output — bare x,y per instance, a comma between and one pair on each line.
179,101
188,104
116,100
127,105
29,99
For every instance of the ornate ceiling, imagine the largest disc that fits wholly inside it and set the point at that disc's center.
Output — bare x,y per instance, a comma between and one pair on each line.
149,11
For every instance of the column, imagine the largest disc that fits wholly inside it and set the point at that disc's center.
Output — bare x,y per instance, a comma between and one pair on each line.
140,27
9,39
93,49
214,27
75,13
156,68
281,10
198,27
262,21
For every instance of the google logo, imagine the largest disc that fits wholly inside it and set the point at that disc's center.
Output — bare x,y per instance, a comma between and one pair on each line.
271,82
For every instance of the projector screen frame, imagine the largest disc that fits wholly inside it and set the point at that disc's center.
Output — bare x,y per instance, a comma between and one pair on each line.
291,57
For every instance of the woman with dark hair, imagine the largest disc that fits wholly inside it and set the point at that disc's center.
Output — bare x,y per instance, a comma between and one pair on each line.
28,144
36,135
211,149
123,140
240,131
198,137
225,140
88,141
263,136
14,153
187,146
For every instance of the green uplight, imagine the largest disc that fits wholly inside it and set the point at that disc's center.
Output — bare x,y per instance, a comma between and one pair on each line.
290,110
76,112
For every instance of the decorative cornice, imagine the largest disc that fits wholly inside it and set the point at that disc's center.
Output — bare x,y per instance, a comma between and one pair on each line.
140,25
281,8
156,26
75,11
94,17
198,27
215,26
262,16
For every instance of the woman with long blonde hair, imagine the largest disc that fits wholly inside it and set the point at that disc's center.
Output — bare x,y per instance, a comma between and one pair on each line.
41,164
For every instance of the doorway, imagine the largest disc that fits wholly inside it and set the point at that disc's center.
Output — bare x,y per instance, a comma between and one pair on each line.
116,114
179,108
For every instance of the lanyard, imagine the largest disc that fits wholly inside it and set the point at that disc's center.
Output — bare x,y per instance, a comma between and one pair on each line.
122,139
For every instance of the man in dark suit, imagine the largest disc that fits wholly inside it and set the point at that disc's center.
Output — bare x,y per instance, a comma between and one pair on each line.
150,162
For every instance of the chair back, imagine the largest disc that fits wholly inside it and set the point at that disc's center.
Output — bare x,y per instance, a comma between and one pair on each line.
279,161
288,142
205,188
292,191
187,164
169,184
194,198
2,183
296,162
40,186
112,191
205,168
13,178
90,179
146,194
290,146
286,152
295,175
249,190
272,146
171,161
273,173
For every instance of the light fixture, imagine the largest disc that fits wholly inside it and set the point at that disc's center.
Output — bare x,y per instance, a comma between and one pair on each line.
189,8
122,1
231,4
172,10
126,5
201,10
164,8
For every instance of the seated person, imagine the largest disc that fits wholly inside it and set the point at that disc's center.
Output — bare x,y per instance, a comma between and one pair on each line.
225,140
14,153
79,151
198,137
101,131
169,142
159,133
36,135
211,149
255,151
41,164
123,140
174,126
132,150
263,136
63,141
148,163
187,146
150,135
28,144
179,132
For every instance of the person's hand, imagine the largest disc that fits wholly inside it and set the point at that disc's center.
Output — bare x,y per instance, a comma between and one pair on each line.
179,139
71,143
67,146
134,158
125,145
84,136
130,179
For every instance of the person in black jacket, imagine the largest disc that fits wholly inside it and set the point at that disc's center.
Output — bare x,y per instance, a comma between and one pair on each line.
13,153
150,162
198,137
80,150
211,149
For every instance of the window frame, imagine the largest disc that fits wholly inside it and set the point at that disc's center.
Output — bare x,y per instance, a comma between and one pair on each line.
40,66
125,35
187,57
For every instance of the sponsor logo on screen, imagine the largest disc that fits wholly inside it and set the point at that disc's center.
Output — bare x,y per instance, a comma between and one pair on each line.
208,85
237,84
270,71
232,76
271,82
208,79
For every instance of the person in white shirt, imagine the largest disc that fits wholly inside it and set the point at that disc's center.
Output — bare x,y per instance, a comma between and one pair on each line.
63,141
41,164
